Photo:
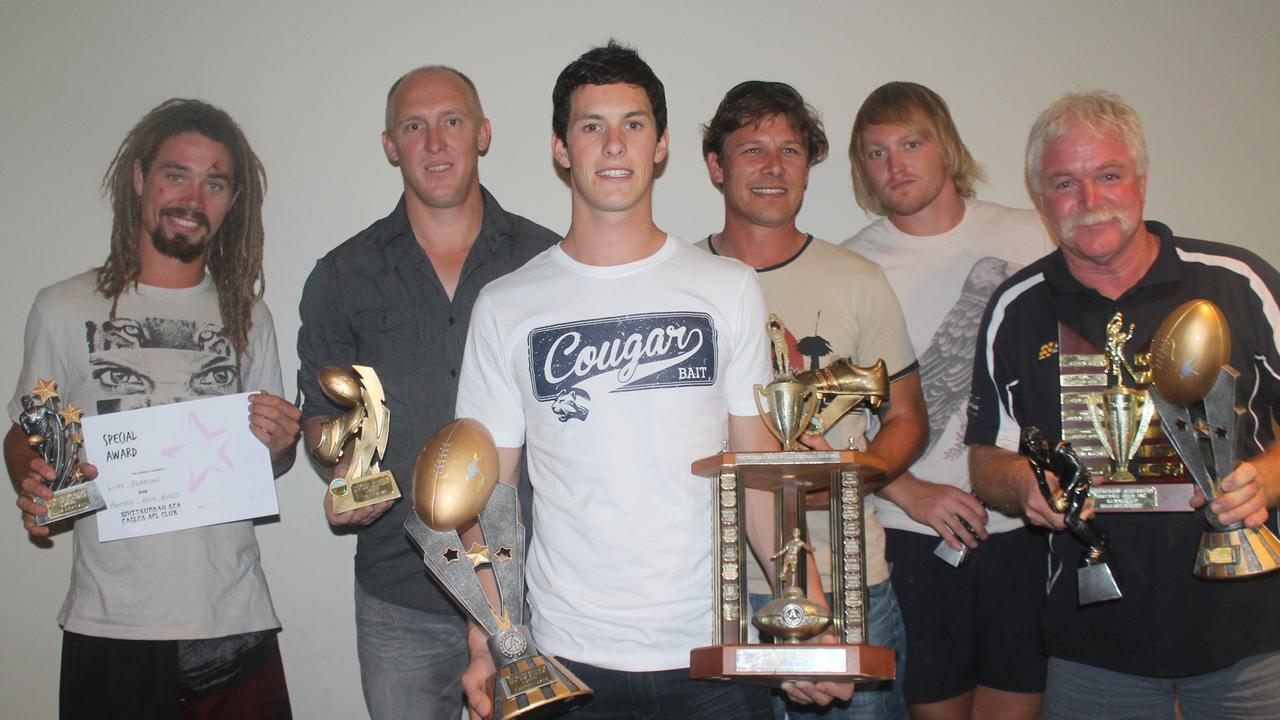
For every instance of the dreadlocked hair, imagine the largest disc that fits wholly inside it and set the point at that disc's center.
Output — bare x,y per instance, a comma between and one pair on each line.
234,257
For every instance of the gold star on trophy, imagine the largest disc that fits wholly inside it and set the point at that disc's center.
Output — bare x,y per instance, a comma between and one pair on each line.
479,554
71,414
45,389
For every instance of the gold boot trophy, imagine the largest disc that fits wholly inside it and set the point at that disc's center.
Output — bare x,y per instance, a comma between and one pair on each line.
368,422
455,483
1195,391
794,401
55,435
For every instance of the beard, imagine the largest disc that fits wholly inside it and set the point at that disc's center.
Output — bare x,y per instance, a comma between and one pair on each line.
179,246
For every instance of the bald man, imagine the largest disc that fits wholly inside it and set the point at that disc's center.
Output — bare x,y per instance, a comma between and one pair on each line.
397,297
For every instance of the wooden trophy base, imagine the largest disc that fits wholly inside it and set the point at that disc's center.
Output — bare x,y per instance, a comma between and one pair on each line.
773,665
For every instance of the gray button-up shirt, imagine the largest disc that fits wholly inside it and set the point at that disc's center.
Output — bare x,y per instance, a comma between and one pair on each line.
376,300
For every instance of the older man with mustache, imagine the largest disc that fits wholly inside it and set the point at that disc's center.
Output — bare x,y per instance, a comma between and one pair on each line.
1213,648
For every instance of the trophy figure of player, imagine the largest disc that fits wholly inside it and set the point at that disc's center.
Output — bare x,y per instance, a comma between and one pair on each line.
366,425
54,433
1195,391
1120,414
455,484
794,400
1094,579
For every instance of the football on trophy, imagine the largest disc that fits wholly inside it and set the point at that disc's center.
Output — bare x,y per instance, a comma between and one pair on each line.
339,385
1188,349
454,475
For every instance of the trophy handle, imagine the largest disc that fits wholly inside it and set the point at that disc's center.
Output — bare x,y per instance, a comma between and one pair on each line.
810,408
765,415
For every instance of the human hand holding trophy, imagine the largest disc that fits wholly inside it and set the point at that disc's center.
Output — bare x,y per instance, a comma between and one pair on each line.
793,401
54,433
455,485
366,426
1195,391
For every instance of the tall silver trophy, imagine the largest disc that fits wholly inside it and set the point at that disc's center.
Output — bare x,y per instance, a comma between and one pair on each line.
455,484
54,433
1195,392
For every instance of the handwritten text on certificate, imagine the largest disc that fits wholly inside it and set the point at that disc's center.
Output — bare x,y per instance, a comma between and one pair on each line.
179,466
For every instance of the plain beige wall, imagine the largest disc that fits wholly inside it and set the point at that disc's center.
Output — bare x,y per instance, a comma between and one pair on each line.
307,83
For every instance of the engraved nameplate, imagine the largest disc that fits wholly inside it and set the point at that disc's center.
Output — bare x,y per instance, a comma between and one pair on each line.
790,660
531,679
373,487
1123,497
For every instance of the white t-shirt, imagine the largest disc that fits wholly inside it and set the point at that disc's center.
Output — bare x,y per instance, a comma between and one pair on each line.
616,379
163,346
943,283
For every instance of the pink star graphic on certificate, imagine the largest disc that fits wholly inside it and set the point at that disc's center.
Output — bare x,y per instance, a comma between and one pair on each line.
214,458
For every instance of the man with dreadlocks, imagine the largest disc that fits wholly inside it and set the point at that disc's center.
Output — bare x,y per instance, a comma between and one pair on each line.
182,622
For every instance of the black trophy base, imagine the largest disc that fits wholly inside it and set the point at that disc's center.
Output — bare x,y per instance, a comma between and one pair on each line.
773,665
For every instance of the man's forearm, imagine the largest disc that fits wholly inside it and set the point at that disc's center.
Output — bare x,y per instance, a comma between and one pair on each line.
999,477
903,434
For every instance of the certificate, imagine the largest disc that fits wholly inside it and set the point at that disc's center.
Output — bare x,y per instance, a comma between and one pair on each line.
179,466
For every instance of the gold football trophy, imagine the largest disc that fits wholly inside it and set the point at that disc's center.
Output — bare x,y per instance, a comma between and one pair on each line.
1120,414
1195,391
367,424
54,433
455,483
790,617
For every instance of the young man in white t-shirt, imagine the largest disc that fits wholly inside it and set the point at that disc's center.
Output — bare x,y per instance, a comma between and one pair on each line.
619,357
181,622
972,629
759,147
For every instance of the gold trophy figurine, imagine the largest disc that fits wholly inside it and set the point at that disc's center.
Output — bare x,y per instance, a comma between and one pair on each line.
1120,414
792,404
367,425
1195,391
789,475
455,484
793,617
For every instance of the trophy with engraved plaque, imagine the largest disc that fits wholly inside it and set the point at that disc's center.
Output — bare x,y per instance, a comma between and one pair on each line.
54,433
1195,391
1112,425
455,483
366,425
790,618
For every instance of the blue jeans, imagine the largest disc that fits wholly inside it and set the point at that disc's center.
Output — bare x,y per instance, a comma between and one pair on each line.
665,695
1245,691
870,701
411,661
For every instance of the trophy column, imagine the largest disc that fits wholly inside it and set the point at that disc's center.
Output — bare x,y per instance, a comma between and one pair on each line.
790,617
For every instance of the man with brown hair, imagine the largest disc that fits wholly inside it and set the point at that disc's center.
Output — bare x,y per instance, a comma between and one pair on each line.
759,147
180,622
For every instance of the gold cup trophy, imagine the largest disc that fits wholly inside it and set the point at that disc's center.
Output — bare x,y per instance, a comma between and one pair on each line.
790,618
367,424
455,483
1195,391
1120,414
54,433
